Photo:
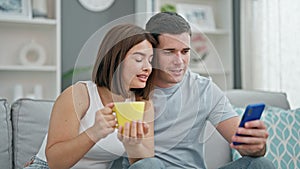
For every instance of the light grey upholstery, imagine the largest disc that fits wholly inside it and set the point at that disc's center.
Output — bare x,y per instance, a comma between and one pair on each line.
217,150
5,136
241,98
30,119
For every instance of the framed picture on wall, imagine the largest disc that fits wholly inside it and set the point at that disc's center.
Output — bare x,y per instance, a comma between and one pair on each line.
200,16
10,9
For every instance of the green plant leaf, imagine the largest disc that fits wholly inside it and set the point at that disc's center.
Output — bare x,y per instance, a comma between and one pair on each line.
168,8
77,70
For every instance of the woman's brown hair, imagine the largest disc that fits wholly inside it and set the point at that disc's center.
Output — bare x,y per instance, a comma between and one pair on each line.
113,49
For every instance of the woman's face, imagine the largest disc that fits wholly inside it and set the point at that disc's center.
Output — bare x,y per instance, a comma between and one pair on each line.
137,65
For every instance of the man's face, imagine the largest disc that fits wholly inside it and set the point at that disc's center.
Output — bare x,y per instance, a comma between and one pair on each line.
173,57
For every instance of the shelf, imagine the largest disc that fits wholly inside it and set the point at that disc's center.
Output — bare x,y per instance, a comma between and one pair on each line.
28,68
38,21
16,33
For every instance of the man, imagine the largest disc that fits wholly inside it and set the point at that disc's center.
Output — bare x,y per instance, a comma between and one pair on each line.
184,100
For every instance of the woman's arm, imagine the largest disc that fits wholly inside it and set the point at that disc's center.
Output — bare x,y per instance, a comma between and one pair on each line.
65,146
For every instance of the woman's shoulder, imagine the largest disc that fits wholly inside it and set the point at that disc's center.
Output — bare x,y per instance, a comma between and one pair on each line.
75,96
74,91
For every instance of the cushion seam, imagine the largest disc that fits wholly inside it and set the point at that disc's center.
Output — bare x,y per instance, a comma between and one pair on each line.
9,134
9,128
16,125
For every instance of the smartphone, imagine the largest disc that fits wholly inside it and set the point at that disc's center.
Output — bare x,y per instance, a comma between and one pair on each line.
252,112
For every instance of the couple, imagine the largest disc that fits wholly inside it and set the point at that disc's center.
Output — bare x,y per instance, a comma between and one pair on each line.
181,103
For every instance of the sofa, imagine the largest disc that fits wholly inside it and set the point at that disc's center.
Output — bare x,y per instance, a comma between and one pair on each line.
25,122
23,127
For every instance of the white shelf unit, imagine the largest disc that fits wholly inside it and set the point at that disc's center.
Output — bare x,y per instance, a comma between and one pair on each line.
15,33
218,64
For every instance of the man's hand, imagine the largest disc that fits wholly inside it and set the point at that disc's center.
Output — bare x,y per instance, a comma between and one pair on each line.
254,143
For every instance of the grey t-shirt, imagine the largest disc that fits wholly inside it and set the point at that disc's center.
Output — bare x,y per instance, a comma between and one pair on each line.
181,112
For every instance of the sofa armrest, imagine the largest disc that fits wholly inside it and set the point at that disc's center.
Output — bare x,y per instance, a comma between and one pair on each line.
216,148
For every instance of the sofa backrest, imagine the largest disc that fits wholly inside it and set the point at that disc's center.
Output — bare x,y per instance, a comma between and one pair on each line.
241,98
30,119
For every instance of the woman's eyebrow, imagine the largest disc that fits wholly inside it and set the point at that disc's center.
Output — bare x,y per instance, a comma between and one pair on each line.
139,53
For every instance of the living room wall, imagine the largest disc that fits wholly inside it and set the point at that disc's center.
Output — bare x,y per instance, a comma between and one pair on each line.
78,24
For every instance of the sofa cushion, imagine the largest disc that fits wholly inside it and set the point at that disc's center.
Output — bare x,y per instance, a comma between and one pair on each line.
283,144
6,135
30,119
241,98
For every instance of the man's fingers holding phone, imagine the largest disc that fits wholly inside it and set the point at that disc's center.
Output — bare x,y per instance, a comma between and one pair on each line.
252,132
257,138
259,124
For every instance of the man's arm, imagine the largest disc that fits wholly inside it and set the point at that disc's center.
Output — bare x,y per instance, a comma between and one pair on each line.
254,144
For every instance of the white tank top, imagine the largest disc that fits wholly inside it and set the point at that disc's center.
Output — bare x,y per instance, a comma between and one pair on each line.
105,150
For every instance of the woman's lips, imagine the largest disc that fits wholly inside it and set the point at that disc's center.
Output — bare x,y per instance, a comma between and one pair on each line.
142,77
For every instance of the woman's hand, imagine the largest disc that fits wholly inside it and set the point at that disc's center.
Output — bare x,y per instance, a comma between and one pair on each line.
134,133
105,123
132,136
138,137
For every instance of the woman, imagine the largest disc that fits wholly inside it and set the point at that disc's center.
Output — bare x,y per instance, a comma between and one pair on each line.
82,125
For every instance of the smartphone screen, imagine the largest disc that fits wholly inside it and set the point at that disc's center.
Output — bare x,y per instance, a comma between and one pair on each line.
252,112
